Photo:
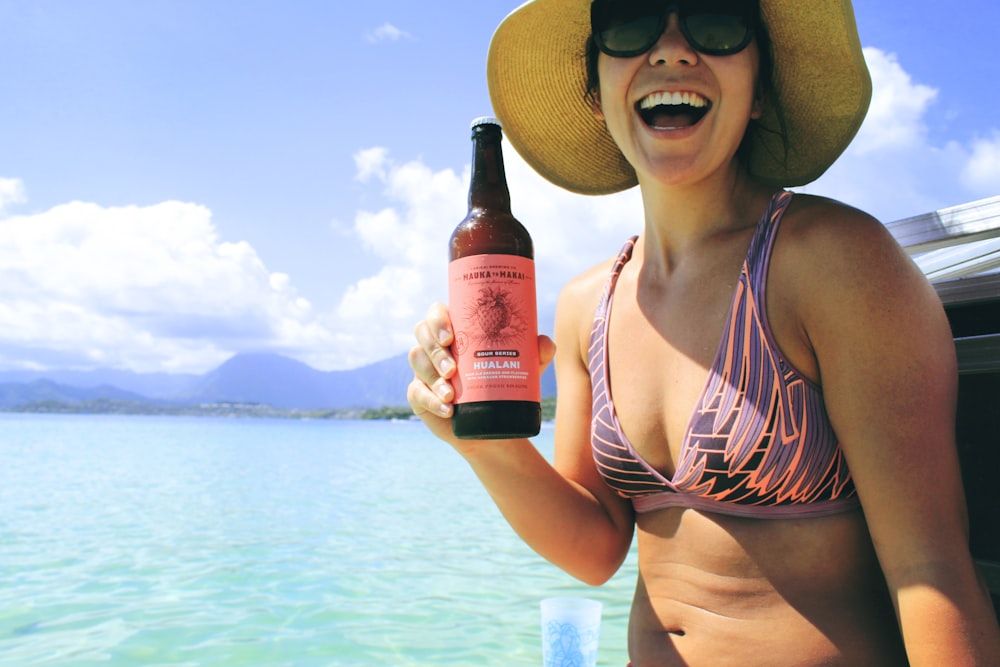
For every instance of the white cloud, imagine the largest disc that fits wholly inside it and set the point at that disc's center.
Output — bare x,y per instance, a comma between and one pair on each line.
11,192
386,33
894,169
371,163
145,288
410,237
982,171
896,116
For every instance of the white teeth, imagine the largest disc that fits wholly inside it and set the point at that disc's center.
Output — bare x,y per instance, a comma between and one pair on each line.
673,99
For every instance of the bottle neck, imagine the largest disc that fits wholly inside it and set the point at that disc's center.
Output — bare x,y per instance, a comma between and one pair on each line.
489,182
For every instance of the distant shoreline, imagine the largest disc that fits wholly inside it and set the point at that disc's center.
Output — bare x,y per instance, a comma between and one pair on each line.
105,406
110,406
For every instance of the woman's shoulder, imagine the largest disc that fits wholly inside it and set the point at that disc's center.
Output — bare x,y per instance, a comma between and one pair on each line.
826,247
813,218
828,234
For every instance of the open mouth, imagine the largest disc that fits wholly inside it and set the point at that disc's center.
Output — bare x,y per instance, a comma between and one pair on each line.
668,111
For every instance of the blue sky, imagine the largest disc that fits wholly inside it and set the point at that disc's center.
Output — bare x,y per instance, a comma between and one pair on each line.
182,180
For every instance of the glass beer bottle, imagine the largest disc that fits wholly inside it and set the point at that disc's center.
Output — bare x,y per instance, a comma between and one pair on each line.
491,296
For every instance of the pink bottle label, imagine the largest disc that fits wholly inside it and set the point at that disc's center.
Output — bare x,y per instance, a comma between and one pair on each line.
494,314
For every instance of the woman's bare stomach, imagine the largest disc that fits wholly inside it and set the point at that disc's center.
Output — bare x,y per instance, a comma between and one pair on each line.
715,591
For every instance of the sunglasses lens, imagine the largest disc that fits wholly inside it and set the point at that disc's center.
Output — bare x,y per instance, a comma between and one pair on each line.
718,34
630,37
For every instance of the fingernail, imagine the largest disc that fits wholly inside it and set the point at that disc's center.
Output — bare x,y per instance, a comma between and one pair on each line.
444,337
444,392
447,365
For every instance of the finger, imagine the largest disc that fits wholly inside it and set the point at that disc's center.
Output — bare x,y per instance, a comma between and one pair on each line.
426,372
546,351
439,326
439,318
434,335
423,401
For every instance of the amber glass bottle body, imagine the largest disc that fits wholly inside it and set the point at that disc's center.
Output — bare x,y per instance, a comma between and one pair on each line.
491,294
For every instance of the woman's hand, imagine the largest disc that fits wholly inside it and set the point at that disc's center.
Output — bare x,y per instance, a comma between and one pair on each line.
430,393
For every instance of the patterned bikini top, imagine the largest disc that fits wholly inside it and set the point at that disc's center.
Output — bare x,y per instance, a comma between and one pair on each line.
759,443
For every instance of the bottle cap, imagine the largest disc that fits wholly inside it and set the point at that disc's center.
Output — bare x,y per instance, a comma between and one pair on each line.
484,120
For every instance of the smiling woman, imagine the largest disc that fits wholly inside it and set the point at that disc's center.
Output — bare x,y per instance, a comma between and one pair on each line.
736,387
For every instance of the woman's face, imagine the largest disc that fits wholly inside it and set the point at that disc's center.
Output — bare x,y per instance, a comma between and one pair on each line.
676,114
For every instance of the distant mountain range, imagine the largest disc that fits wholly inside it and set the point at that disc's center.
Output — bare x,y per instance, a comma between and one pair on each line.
265,379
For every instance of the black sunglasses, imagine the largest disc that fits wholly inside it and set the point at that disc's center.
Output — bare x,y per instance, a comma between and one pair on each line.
713,27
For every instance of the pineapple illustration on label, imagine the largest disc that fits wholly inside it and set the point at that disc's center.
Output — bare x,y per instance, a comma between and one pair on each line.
493,310
499,317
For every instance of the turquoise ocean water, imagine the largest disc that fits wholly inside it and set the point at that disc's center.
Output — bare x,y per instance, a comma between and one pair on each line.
214,542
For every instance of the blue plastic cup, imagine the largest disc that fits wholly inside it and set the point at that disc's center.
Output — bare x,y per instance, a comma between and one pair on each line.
571,628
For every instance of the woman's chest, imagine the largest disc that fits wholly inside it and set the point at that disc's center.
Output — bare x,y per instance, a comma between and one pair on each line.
660,360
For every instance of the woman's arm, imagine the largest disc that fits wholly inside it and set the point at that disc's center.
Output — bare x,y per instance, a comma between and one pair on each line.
886,361
564,512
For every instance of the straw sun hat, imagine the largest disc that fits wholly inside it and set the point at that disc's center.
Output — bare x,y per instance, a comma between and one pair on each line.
537,77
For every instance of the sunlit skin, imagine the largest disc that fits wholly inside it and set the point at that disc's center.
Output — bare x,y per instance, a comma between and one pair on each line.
848,309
